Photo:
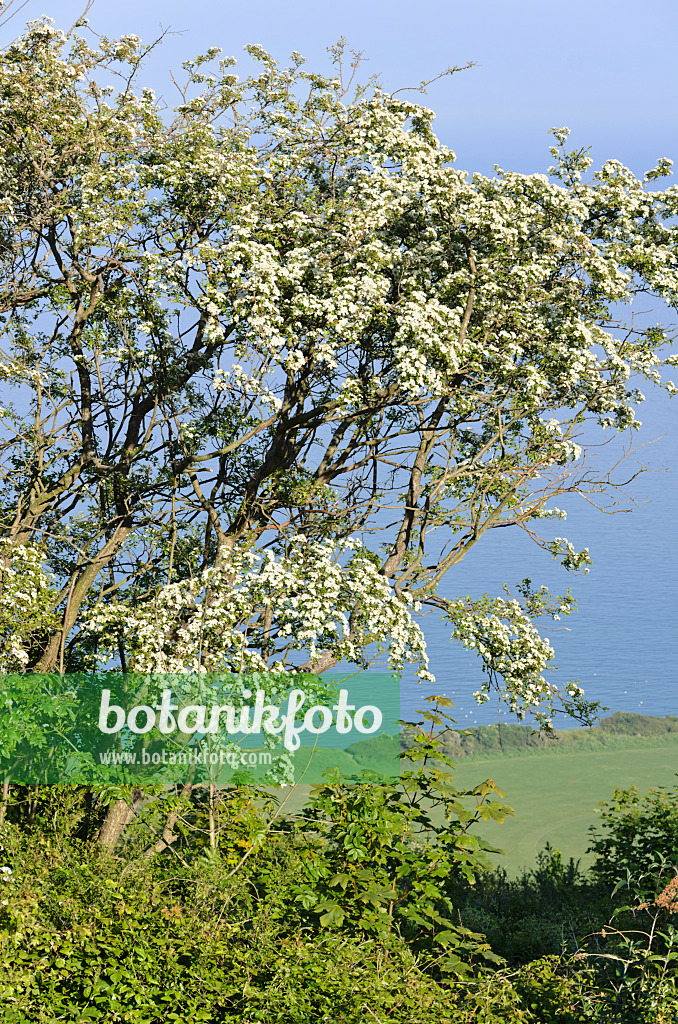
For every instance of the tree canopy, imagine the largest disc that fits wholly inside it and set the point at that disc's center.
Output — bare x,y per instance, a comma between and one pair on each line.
273,365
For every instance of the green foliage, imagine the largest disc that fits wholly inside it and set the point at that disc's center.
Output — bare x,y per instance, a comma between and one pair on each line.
81,940
546,910
382,855
637,953
627,723
556,992
617,731
248,930
637,835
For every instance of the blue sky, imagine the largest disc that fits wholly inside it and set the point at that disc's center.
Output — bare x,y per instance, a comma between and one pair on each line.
605,68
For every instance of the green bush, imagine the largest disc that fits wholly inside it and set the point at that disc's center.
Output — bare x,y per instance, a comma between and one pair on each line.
547,910
365,906
83,938
636,835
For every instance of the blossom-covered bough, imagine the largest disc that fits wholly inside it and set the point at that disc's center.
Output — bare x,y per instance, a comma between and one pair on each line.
27,599
273,364
236,616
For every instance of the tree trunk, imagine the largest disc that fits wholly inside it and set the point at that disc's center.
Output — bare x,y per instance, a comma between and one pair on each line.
212,818
169,836
77,592
5,801
118,817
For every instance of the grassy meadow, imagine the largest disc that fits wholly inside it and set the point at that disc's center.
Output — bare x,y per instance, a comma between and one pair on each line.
555,795
554,789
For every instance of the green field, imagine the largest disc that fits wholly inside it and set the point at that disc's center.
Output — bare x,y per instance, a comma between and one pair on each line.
554,795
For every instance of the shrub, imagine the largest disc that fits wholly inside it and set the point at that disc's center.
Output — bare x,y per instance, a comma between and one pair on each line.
635,834
545,911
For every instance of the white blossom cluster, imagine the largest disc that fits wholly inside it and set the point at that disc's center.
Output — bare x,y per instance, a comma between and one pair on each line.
26,595
237,378
514,654
571,558
309,285
317,605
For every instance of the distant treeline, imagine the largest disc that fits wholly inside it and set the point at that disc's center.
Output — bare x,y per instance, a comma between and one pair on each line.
623,728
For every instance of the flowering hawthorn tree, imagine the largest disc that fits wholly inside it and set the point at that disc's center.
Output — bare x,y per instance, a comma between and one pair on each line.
240,335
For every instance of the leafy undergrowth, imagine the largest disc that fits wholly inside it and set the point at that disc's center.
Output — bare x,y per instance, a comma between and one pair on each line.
360,908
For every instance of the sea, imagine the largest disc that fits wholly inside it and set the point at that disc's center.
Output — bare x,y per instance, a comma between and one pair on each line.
621,643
